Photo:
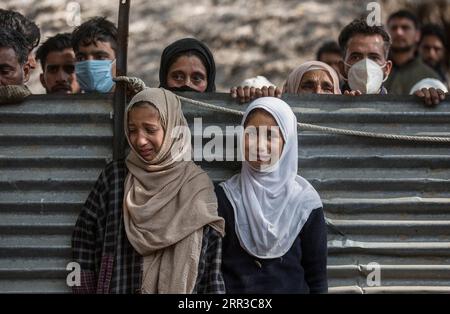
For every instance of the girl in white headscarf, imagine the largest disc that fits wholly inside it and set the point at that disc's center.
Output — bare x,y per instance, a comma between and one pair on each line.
275,230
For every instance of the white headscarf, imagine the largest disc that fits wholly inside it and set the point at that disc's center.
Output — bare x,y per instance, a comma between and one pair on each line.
270,208
428,83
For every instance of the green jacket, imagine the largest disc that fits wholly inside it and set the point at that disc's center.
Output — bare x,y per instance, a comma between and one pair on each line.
403,78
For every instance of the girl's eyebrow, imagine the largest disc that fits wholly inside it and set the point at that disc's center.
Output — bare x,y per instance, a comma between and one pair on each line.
150,124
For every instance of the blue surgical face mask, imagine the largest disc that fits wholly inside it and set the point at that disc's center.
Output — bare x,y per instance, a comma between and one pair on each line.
95,75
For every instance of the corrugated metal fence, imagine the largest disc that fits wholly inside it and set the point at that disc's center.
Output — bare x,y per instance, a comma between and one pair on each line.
388,201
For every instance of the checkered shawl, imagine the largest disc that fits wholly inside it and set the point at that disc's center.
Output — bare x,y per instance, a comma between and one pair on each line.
109,263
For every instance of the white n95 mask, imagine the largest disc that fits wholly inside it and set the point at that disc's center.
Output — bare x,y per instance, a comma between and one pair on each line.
366,76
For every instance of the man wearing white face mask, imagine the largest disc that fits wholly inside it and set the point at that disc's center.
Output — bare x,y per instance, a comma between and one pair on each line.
366,65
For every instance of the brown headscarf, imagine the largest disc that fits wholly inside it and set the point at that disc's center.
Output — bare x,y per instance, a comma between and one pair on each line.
294,79
167,202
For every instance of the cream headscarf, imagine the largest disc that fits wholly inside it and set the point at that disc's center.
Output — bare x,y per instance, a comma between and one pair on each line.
292,84
167,202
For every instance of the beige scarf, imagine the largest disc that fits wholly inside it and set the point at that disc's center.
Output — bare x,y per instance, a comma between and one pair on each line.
167,202
294,79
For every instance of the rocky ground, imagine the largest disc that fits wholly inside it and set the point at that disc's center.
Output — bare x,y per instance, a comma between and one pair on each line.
248,38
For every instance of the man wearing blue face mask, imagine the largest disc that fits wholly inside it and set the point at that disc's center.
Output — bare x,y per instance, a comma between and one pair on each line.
95,46
366,66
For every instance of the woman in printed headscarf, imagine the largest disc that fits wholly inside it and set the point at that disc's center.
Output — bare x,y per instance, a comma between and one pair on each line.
187,65
276,240
150,225
312,77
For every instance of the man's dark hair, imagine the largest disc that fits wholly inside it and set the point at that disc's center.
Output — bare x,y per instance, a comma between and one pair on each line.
14,20
95,29
360,26
59,42
433,30
405,14
328,47
10,38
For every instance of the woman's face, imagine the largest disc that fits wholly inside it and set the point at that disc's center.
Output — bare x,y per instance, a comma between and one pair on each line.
188,71
316,82
145,131
263,141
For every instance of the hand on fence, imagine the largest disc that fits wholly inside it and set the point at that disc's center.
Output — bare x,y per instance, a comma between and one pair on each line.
246,93
352,93
431,96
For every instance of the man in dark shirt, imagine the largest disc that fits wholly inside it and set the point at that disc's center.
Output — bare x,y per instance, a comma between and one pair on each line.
14,67
408,67
58,65
433,49
13,20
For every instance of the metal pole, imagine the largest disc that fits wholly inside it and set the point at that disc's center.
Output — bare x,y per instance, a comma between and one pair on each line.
120,95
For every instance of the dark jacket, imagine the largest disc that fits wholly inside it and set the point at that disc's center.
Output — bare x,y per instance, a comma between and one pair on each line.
303,269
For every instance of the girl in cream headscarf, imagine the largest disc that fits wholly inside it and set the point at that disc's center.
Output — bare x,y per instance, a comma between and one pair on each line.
150,225
276,234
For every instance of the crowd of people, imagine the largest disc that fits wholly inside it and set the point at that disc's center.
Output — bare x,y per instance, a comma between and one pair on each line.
402,58
154,222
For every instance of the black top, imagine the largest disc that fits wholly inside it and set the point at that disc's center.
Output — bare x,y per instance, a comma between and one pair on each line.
179,47
303,269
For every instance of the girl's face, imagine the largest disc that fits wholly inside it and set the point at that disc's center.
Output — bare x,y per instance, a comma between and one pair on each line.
263,141
145,131
188,71
316,82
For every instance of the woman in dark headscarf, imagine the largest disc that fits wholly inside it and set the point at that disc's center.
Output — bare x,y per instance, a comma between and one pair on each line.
187,65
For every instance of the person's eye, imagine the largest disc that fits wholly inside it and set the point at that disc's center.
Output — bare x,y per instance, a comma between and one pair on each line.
101,57
307,86
52,69
131,131
327,86
69,69
150,130
177,77
198,78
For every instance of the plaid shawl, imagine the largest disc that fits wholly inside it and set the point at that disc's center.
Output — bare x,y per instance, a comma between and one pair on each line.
109,263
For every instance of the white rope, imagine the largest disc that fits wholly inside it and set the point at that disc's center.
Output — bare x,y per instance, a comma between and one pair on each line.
305,126
312,127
